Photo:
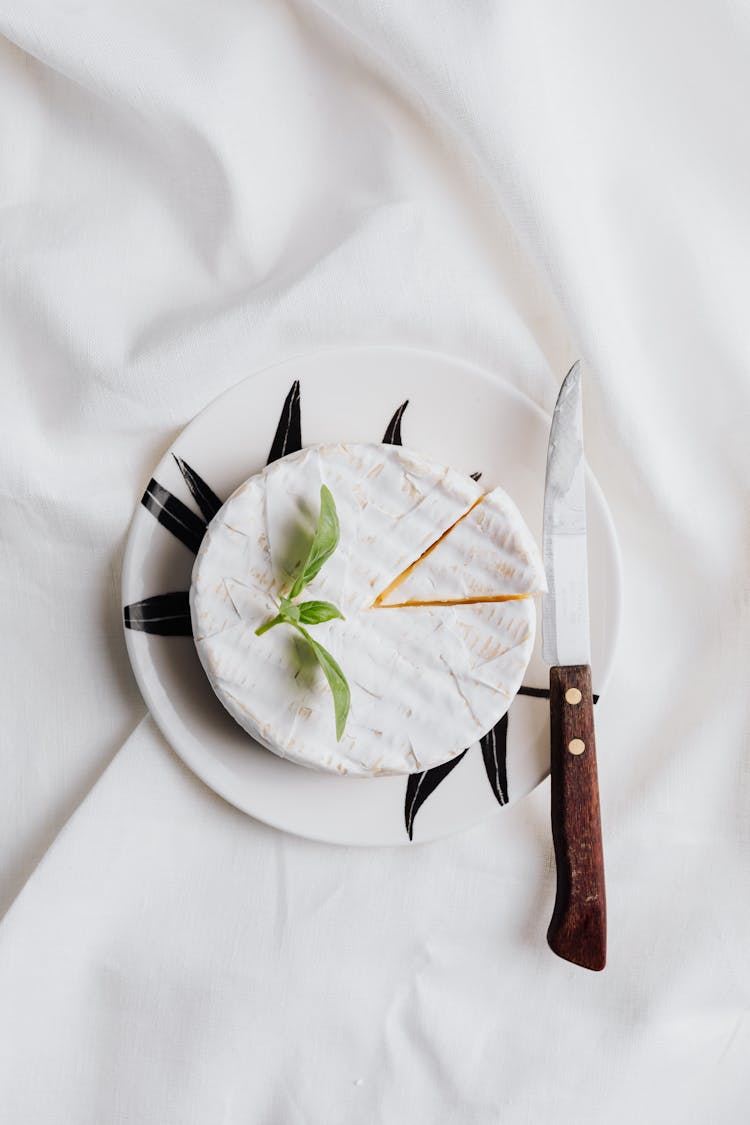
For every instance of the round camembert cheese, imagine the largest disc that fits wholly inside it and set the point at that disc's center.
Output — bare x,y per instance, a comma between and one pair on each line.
435,580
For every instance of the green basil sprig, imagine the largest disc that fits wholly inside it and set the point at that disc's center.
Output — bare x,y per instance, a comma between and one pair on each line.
298,614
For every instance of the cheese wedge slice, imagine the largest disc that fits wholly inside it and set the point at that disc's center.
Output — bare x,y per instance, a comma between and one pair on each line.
488,555
426,681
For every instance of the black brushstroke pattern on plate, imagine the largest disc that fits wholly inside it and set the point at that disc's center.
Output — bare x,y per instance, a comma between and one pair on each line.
495,754
288,437
174,515
392,435
419,786
206,499
167,615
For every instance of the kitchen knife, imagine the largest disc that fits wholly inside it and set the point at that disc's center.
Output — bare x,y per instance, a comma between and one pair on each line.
578,929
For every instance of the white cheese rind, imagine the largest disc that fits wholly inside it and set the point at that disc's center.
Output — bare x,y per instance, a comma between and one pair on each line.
425,682
391,505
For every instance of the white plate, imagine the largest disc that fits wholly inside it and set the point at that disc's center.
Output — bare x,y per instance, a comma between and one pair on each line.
456,414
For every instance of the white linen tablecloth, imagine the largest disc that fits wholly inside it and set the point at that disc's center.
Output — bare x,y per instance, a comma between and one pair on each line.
191,191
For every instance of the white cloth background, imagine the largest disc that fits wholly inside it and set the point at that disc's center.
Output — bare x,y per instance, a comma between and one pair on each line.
191,191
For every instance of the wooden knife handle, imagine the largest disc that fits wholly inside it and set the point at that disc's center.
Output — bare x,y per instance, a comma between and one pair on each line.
578,930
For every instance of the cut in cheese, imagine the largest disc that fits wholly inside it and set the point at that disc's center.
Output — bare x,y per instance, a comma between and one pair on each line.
489,554
426,681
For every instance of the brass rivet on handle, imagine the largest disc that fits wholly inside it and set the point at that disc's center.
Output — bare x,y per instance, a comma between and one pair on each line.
576,746
573,695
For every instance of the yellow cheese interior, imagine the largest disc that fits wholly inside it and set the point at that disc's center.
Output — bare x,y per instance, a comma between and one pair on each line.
458,601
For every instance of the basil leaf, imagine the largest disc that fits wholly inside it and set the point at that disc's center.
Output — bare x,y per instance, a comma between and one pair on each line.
289,610
277,620
336,681
324,543
312,613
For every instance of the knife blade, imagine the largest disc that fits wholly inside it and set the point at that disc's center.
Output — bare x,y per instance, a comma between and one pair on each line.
578,928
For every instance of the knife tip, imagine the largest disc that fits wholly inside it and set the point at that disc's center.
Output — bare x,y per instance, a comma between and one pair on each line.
574,374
